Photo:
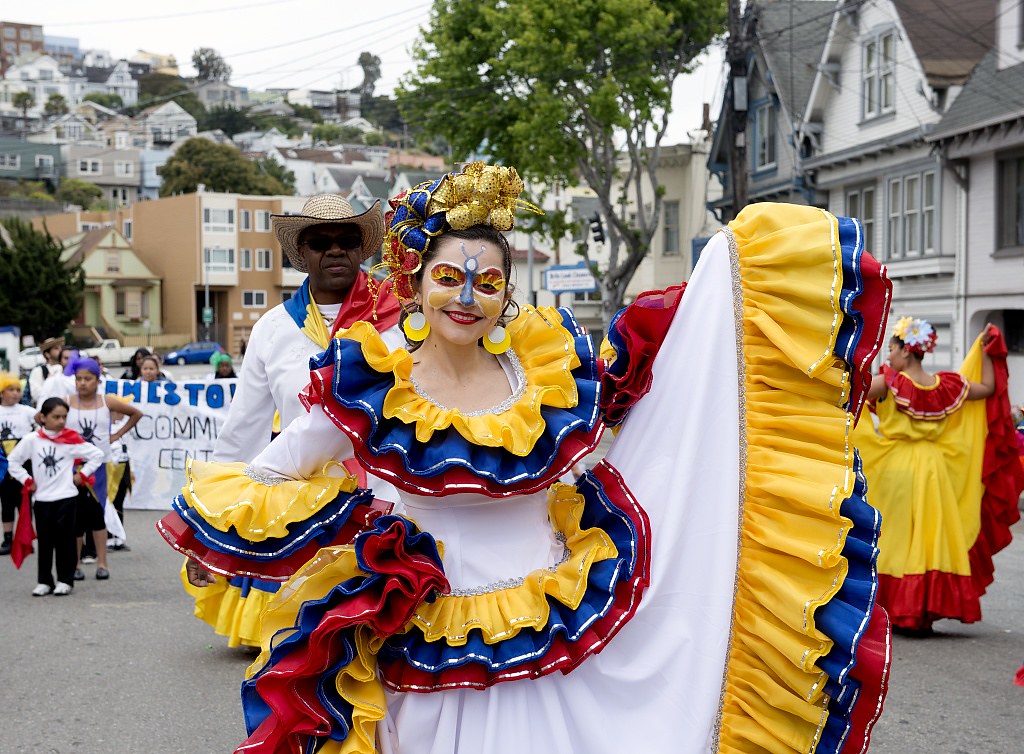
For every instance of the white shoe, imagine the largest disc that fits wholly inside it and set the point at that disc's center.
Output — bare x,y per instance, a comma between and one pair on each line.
62,588
41,590
88,559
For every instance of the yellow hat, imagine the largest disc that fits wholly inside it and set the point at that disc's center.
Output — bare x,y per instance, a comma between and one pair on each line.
9,380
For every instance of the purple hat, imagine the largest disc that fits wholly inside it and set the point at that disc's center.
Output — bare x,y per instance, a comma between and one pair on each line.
89,364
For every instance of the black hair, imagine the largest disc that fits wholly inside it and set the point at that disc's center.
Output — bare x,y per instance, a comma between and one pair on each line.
900,344
51,403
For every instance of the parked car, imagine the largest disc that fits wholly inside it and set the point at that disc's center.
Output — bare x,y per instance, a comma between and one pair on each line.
110,351
198,352
29,359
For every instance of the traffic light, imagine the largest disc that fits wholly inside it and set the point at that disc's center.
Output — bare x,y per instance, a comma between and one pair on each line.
596,228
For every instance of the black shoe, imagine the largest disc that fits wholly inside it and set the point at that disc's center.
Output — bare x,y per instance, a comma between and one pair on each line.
5,548
79,576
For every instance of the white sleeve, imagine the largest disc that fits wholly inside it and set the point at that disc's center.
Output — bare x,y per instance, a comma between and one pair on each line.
35,383
251,414
16,460
93,457
303,448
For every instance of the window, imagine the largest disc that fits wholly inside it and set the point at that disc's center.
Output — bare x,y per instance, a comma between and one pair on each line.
218,259
123,168
244,219
264,261
245,259
764,136
113,261
10,161
670,236
44,163
1010,204
131,304
127,229
254,299
879,75
262,221
45,75
910,227
90,167
861,205
10,32
218,220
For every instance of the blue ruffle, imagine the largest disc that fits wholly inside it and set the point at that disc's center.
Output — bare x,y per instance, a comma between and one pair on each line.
322,527
851,245
357,386
531,644
845,618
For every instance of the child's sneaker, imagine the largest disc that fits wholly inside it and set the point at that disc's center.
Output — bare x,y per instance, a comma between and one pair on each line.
62,588
41,590
88,559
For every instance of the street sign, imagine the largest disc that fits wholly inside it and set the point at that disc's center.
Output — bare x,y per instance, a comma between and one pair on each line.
207,315
569,278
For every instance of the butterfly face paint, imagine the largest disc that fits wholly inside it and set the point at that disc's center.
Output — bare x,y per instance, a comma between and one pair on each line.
468,284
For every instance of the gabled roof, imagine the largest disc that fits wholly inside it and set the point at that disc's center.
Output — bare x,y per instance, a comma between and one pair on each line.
989,97
792,36
345,176
949,37
338,156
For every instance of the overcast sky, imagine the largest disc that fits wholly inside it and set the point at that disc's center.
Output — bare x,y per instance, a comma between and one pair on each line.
288,43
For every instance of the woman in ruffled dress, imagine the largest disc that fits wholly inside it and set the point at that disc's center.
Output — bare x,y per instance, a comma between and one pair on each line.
708,585
943,472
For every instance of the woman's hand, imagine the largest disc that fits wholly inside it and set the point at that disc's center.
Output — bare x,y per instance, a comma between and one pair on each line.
988,334
197,575
79,479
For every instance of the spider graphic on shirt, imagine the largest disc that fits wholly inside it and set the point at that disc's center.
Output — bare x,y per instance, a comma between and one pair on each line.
88,431
6,431
51,462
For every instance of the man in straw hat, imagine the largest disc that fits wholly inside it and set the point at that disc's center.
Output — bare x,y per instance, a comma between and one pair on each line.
50,349
328,240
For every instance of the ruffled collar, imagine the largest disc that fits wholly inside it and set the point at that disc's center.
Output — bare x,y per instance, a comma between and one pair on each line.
543,356
927,402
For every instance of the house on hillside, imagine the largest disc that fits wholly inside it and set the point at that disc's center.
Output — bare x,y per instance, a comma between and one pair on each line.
29,161
788,38
980,145
889,72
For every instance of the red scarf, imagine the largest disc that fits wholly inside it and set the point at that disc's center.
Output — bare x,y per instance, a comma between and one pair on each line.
25,533
358,306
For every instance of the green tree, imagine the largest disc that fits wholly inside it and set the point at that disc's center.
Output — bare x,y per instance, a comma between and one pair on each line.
23,101
370,64
55,105
38,292
373,139
106,99
218,167
157,88
210,66
566,92
228,119
305,111
383,112
75,191
328,133
277,171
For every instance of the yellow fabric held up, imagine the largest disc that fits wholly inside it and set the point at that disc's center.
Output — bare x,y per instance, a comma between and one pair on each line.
227,498
899,463
222,606
799,469
501,614
547,354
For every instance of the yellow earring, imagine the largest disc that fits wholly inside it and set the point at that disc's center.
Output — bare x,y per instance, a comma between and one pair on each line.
497,340
416,327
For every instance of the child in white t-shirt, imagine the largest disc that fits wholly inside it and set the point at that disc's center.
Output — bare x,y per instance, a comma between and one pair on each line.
54,451
16,421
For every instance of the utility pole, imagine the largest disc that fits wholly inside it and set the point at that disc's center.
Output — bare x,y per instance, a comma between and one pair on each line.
736,53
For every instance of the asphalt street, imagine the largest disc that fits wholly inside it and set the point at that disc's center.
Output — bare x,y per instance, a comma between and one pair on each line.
122,666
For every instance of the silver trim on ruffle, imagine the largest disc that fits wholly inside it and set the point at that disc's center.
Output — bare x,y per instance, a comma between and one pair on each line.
260,477
502,407
495,586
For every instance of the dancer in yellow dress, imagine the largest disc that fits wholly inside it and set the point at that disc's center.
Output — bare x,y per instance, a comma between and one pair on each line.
942,471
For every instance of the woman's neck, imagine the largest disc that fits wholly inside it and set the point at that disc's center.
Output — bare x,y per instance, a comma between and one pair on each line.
456,362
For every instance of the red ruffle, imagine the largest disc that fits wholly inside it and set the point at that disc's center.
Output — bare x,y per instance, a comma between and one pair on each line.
873,305
641,327
181,537
918,600
1001,473
927,405
563,655
874,660
384,604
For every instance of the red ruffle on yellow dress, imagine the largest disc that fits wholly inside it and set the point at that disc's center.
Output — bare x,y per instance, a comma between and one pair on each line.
943,473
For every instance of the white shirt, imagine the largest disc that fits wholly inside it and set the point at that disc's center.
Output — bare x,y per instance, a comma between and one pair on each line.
52,464
57,385
16,422
37,378
274,371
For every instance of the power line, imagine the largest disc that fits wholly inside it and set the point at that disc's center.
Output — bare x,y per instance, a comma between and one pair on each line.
184,14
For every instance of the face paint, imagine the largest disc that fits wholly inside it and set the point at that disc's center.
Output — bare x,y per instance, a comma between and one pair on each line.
469,285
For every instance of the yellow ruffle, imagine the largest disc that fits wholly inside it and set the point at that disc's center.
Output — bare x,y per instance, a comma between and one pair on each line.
547,354
224,609
501,614
357,683
799,469
227,498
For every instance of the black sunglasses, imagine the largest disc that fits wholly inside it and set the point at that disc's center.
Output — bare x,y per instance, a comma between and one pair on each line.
347,242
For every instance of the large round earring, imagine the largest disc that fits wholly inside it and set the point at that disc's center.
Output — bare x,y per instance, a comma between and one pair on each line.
416,327
498,340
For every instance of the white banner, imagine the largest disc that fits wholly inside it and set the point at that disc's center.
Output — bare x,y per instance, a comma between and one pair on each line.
181,420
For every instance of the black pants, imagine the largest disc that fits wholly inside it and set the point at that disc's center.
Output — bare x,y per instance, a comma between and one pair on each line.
10,498
55,530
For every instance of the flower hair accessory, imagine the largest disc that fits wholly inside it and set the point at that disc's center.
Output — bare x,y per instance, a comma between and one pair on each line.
917,335
480,194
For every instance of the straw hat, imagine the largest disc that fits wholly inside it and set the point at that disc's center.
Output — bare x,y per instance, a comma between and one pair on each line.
328,208
49,343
